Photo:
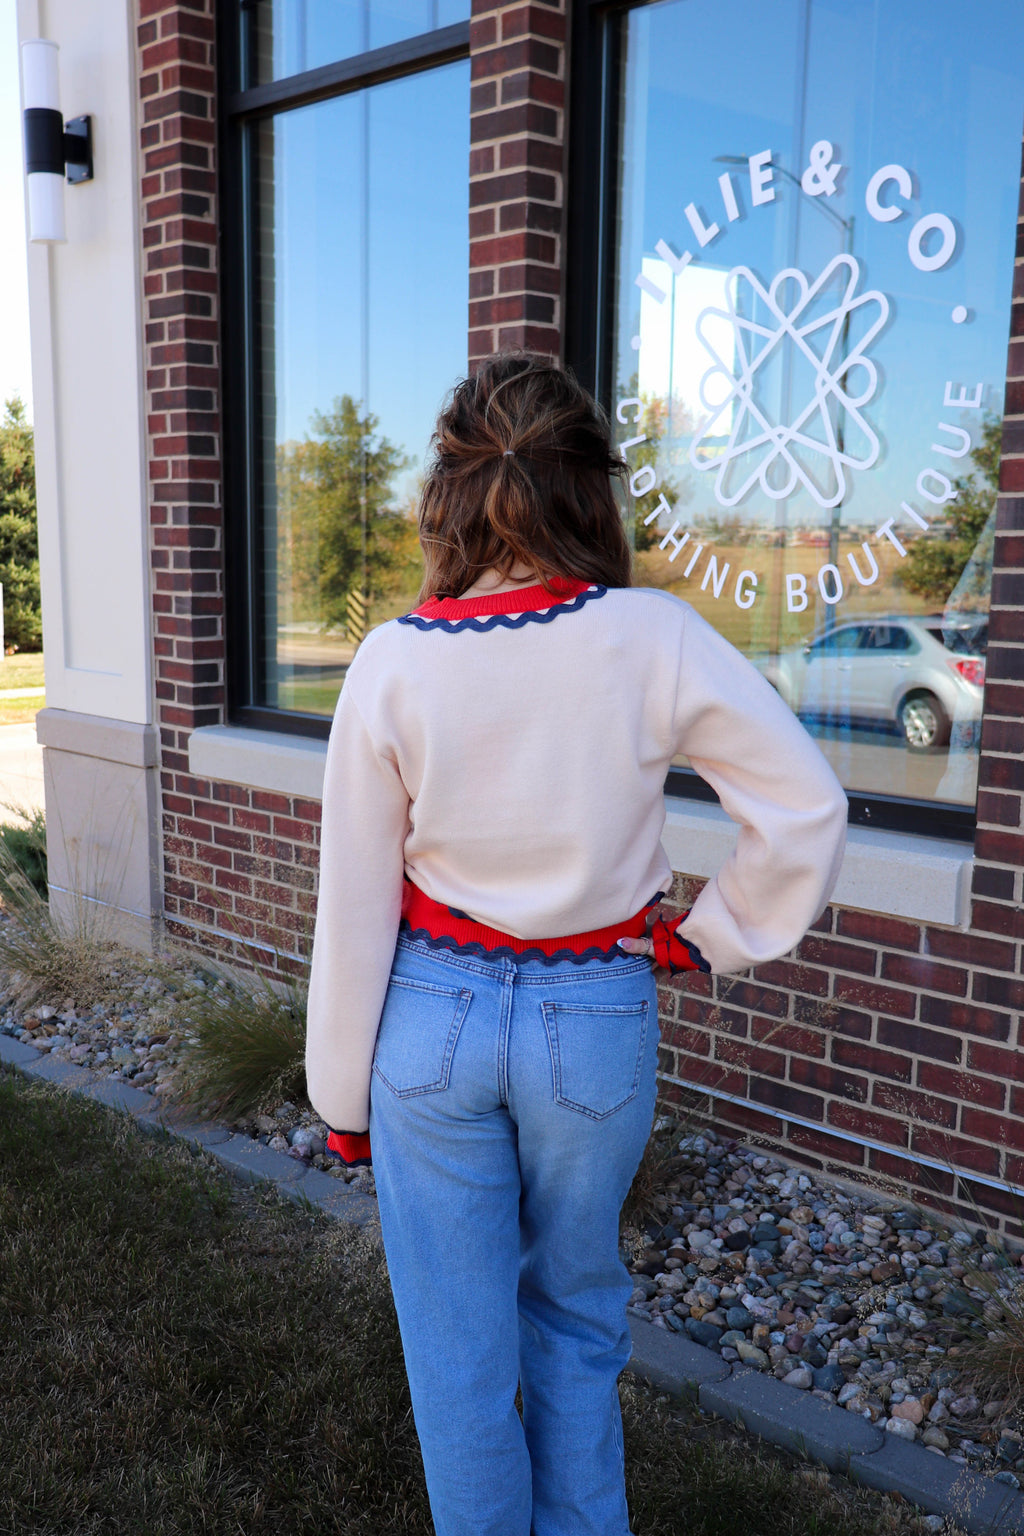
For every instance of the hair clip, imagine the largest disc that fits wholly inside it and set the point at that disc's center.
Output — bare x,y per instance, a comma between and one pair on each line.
509,453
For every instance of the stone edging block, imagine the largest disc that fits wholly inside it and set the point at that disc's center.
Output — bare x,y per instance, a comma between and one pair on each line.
841,1441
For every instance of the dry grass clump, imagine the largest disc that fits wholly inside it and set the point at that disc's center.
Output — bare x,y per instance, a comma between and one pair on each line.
244,1050
47,955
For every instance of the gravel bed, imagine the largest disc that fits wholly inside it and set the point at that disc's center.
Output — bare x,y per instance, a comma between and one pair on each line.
836,1293
844,1295
140,1040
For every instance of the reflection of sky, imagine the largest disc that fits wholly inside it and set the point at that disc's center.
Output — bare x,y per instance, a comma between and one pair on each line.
371,242
937,88
303,34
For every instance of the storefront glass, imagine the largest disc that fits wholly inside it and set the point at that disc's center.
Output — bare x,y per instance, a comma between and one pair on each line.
360,304
816,225
288,37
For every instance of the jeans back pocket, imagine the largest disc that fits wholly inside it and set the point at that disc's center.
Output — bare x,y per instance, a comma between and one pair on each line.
419,1026
597,1053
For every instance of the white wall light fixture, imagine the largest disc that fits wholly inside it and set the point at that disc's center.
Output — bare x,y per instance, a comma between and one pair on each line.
51,145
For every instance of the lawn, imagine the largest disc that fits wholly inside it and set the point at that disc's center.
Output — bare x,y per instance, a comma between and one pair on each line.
182,1354
20,671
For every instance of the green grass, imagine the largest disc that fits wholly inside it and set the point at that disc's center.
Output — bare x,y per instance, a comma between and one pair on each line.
21,670
181,1354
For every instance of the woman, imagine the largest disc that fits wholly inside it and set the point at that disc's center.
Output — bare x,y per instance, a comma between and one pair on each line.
482,998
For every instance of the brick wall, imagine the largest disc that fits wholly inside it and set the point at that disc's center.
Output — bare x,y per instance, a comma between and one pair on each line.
895,1043
516,189
239,864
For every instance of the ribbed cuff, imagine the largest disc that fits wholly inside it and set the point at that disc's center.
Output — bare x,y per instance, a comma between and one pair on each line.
353,1147
674,952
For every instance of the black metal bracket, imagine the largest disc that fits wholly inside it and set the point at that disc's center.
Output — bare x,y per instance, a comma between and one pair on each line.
78,149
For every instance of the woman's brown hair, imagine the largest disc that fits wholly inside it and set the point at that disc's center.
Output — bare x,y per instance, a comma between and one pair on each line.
522,471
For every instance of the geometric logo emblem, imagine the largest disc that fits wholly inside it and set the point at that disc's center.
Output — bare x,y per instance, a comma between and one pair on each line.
785,396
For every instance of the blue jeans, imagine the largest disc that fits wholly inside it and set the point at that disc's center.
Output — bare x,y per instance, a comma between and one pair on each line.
511,1102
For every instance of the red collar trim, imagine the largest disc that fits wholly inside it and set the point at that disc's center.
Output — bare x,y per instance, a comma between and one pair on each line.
520,600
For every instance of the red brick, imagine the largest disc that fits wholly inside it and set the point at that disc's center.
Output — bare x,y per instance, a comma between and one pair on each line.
696,1041
867,994
988,954
870,1059
922,971
995,1060
523,54
523,118
817,1074
543,21
954,1151
264,800
1004,1130
749,994
525,245
861,1121
799,978
845,1152
1003,991
935,1043
878,930
972,1020
740,1053
995,919
785,1099
842,957
913,1105
998,810
788,1037
829,1016
955,1083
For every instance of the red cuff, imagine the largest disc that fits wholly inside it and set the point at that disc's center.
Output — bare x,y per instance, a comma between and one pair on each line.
673,951
353,1147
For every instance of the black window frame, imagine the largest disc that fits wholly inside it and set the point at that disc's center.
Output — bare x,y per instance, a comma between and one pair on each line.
593,124
245,628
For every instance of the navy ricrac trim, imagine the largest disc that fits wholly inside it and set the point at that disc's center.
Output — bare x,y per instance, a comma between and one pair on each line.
503,951
506,620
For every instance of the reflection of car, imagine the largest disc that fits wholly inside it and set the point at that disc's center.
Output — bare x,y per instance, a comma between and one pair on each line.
919,674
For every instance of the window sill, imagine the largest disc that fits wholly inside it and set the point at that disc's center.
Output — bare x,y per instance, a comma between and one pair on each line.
897,873
240,754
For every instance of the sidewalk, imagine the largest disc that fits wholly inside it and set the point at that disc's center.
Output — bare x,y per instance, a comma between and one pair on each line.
797,1421
21,768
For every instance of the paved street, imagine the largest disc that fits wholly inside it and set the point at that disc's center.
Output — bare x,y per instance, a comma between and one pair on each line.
21,768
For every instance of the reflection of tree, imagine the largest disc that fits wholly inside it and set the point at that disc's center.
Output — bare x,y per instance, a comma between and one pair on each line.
662,421
934,564
338,531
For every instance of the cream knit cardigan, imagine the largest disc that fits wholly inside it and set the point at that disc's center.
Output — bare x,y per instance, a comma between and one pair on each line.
515,769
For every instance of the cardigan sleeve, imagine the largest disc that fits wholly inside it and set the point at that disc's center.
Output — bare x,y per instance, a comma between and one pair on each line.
365,823
773,780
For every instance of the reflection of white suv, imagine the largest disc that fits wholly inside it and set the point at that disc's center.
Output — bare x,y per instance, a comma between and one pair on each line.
914,673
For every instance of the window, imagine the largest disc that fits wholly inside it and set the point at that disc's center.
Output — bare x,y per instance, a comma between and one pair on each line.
346,158
807,248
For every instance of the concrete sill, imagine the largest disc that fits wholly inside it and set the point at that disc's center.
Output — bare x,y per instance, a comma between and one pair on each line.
920,878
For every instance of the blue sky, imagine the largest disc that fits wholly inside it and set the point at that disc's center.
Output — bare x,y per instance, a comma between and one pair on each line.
15,359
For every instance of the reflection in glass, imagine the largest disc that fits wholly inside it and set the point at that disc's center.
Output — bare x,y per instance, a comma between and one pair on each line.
808,378
287,37
361,303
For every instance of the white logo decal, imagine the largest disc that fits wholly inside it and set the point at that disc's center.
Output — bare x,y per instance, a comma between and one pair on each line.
739,439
